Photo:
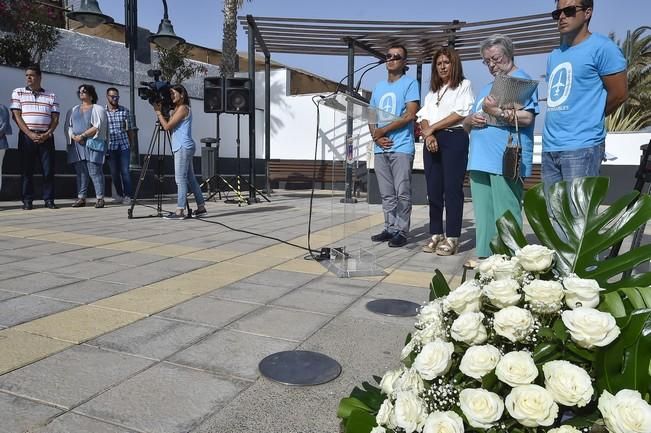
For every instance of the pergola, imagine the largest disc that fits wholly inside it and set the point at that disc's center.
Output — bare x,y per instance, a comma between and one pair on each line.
531,34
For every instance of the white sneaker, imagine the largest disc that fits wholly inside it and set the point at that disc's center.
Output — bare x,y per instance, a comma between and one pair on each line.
116,199
126,200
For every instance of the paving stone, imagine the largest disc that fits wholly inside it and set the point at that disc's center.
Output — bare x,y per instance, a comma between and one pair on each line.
287,324
231,353
415,294
18,415
137,275
280,278
86,291
36,282
91,254
25,308
47,249
152,337
250,292
174,266
20,348
209,311
45,263
314,300
163,399
89,269
7,273
71,377
8,295
71,422
347,286
14,243
132,259
8,258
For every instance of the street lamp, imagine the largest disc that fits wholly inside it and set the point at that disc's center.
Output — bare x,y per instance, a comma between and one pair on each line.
90,15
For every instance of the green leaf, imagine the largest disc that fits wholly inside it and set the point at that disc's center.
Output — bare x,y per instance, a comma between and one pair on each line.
438,287
349,405
625,362
584,354
612,303
545,352
572,221
489,381
560,331
510,234
360,422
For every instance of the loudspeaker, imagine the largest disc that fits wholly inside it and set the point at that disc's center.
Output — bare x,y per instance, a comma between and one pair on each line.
238,95
213,95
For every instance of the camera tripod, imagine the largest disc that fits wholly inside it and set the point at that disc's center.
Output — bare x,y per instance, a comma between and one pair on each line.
160,140
236,184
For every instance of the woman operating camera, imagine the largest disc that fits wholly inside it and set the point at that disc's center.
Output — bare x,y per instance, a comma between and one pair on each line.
183,147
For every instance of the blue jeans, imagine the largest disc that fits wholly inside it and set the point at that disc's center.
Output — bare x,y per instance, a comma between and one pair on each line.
393,172
84,170
184,175
118,161
571,164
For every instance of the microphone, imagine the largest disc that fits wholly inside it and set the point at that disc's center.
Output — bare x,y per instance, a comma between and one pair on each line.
372,64
359,82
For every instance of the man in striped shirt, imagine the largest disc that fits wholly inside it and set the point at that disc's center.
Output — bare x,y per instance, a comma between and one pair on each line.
118,149
36,112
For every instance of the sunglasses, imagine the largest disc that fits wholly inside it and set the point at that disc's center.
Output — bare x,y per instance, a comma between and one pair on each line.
79,92
114,96
568,11
391,57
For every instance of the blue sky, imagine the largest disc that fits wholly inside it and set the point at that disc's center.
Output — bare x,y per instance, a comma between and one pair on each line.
200,22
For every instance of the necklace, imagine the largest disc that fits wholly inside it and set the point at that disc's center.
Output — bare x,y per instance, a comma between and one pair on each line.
439,95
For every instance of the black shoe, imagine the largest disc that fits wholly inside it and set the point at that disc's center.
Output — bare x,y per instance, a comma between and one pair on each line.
28,205
382,237
50,205
398,241
200,213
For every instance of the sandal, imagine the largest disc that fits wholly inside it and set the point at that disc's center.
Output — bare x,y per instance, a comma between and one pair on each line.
448,247
433,243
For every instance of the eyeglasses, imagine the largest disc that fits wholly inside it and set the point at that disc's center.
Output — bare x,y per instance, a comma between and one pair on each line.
114,96
496,60
568,11
391,57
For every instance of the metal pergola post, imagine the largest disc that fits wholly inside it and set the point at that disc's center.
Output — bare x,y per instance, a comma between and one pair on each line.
252,114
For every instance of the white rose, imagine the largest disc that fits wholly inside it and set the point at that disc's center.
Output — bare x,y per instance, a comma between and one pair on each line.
482,408
516,368
378,429
434,359
503,293
443,422
478,361
507,268
535,258
385,414
544,296
563,429
486,266
409,347
589,327
388,382
410,411
465,298
430,332
625,412
531,406
469,328
410,380
431,312
568,384
581,292
513,323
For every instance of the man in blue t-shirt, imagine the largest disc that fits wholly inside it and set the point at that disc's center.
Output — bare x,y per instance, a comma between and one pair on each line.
394,146
586,79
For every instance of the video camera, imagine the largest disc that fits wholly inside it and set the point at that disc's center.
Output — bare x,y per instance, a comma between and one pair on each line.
157,91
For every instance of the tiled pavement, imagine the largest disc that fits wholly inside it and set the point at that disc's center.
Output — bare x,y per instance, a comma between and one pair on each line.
116,325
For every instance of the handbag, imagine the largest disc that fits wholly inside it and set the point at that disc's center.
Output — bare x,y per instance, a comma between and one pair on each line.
96,144
511,160
512,157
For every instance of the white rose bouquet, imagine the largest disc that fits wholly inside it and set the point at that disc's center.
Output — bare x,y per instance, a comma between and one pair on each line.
520,348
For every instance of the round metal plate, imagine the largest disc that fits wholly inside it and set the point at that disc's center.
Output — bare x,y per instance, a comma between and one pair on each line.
393,307
299,367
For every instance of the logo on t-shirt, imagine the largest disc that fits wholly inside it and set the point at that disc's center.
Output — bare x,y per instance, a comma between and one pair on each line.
388,103
560,85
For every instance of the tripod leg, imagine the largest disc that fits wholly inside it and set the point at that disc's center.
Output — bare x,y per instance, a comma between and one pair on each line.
143,173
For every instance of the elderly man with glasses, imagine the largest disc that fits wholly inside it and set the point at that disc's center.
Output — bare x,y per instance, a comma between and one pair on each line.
586,79
118,146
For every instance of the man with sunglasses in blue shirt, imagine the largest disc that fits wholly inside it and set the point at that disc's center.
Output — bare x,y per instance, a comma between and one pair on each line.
586,78
118,146
393,153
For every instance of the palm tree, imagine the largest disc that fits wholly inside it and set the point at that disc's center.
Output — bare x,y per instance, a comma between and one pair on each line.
637,50
229,43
